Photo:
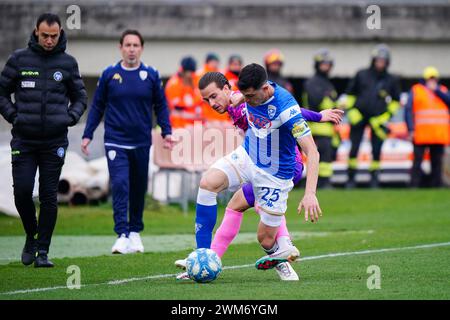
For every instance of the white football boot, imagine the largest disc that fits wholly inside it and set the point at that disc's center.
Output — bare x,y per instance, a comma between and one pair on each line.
181,264
286,272
183,277
285,254
135,242
121,245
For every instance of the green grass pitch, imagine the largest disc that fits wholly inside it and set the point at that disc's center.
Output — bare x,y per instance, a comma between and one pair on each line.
356,225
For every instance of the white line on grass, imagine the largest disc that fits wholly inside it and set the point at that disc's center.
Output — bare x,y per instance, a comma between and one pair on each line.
160,276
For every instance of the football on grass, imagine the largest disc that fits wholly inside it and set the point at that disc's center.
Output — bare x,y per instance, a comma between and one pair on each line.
203,265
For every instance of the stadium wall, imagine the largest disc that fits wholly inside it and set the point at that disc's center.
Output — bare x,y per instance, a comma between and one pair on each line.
416,30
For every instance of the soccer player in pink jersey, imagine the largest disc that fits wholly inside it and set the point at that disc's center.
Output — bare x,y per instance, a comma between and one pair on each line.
216,91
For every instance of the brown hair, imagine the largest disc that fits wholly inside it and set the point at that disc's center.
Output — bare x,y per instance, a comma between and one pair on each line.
133,32
218,78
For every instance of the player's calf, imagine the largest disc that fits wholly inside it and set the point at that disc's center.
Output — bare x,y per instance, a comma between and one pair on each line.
276,254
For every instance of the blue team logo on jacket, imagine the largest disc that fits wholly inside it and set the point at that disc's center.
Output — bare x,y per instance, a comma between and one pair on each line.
60,152
271,110
57,76
112,154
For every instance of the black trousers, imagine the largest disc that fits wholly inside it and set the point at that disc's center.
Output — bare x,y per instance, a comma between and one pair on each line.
356,135
326,156
436,154
325,148
27,157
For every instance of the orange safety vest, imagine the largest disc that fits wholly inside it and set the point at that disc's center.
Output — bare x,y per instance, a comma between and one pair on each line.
431,116
210,114
205,69
232,79
185,102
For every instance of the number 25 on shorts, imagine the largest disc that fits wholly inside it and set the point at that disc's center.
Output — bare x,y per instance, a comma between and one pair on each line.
270,194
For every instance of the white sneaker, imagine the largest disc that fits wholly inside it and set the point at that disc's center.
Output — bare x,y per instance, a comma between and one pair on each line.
286,272
135,242
121,245
181,264
287,254
183,277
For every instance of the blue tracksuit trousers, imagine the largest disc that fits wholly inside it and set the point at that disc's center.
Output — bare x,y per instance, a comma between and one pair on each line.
128,171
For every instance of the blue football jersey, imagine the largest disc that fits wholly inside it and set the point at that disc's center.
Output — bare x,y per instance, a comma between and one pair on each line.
273,130
127,98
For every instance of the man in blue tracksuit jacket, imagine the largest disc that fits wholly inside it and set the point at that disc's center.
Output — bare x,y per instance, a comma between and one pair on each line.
127,92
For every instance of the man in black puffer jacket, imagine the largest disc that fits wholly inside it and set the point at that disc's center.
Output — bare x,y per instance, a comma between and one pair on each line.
49,96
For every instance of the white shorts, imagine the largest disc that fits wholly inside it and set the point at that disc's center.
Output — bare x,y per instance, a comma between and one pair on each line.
271,193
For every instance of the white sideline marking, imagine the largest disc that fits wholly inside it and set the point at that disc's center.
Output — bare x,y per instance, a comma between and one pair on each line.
160,276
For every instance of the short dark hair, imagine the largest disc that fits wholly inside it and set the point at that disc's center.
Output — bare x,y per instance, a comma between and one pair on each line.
235,57
213,77
50,18
252,76
211,56
188,63
133,32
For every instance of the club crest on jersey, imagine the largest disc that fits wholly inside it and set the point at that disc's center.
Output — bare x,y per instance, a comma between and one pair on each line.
271,110
143,74
57,76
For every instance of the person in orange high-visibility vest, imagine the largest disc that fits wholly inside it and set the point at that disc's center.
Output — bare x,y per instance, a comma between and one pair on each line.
428,121
212,64
232,71
183,97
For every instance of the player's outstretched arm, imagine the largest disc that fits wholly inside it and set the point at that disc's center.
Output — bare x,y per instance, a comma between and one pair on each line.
332,115
309,201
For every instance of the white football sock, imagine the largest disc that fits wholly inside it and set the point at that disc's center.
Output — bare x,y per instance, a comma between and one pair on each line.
284,242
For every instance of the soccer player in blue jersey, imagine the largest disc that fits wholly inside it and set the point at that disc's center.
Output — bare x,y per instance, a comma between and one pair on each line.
126,94
216,91
267,160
